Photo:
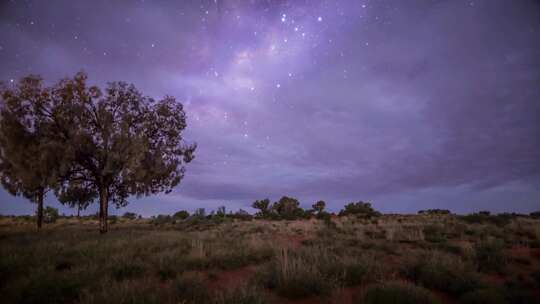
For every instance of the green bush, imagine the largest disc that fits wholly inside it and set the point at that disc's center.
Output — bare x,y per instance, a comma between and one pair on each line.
398,293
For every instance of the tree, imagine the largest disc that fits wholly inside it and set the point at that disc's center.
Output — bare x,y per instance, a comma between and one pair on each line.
76,195
263,206
319,206
118,142
28,160
288,208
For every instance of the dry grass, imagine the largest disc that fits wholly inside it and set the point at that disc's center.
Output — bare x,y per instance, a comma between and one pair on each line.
139,261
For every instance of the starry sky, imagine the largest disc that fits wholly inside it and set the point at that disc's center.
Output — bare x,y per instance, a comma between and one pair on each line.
407,104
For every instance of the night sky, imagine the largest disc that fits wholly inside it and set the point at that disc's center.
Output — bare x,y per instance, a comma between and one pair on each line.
407,104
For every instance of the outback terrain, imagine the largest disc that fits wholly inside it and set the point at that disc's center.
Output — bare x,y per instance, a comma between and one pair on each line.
425,258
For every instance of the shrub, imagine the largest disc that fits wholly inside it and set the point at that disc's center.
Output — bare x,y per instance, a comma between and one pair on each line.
162,219
482,296
319,207
486,217
398,293
435,212
489,256
263,206
130,215
295,276
242,215
535,214
50,215
181,215
359,209
442,272
112,219
434,233
288,208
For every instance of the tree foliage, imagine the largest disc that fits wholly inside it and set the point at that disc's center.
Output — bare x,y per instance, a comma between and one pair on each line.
319,206
263,206
114,142
28,160
288,208
359,209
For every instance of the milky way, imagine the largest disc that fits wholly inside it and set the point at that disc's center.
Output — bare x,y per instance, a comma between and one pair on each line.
408,104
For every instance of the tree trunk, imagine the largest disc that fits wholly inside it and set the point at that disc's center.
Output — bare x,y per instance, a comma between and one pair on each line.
78,211
103,209
39,201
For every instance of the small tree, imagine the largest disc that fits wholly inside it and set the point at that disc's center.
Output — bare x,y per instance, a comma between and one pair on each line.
118,142
288,208
221,211
263,206
319,206
199,213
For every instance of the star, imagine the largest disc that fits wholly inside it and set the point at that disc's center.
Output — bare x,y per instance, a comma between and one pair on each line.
319,18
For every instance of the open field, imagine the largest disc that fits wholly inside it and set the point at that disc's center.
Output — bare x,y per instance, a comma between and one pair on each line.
388,259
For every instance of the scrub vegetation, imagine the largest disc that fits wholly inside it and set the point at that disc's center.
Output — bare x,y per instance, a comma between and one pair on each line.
283,254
